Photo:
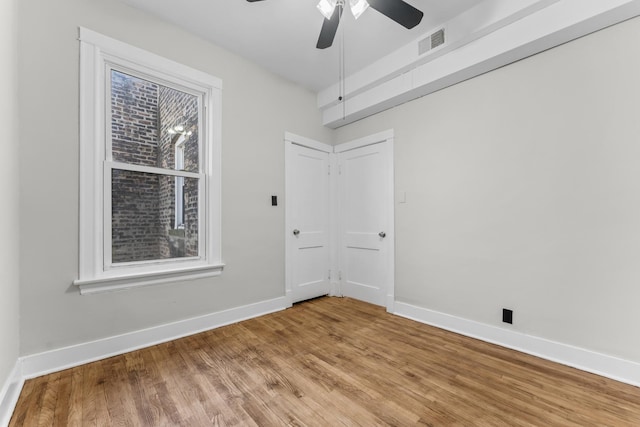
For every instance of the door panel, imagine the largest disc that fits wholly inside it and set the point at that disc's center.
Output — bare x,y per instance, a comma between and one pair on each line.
308,203
365,194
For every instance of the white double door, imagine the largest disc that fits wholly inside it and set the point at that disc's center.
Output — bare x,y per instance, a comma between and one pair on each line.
340,219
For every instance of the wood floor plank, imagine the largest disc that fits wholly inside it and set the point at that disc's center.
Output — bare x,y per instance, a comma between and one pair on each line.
20,412
74,411
36,399
90,388
118,394
326,362
206,406
60,416
166,376
49,400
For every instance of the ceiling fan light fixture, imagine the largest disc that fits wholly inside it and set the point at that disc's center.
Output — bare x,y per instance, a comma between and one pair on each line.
326,7
358,7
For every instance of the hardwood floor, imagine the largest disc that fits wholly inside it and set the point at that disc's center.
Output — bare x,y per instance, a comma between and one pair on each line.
326,362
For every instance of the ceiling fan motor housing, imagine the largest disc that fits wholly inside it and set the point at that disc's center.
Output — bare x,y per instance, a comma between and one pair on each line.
397,10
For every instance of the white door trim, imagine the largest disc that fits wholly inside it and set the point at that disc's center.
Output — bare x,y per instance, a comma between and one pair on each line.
307,142
290,140
384,137
376,138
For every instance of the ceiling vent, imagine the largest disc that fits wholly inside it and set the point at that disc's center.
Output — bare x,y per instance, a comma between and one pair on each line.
431,42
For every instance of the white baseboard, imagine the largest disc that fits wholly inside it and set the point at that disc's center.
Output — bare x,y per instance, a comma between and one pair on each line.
391,303
600,364
336,289
39,364
288,298
9,394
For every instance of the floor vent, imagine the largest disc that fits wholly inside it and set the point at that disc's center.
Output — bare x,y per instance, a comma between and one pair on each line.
433,41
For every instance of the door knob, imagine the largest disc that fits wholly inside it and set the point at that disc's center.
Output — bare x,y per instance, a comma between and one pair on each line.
296,232
382,234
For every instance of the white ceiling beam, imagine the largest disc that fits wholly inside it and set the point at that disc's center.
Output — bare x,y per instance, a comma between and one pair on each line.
563,21
480,20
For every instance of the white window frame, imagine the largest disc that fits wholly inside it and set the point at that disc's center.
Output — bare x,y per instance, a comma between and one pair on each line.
178,159
98,54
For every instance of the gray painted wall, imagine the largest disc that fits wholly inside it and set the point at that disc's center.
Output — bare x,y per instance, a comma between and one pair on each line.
523,191
9,272
258,108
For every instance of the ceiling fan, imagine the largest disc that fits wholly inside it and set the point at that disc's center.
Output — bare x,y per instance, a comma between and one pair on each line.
397,10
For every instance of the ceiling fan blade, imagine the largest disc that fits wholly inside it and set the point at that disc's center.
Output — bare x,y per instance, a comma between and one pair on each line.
398,10
251,1
329,29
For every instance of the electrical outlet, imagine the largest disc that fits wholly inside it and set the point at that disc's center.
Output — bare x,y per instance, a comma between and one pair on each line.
507,315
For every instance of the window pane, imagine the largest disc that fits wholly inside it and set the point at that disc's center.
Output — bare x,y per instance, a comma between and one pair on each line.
148,122
153,217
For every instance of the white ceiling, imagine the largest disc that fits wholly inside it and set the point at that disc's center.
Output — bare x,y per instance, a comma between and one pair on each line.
281,35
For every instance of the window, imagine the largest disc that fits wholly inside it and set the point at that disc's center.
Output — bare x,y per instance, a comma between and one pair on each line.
149,168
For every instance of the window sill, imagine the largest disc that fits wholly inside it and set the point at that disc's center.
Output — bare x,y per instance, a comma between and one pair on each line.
120,283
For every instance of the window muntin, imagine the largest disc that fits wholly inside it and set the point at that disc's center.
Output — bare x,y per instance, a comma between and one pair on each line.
104,160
